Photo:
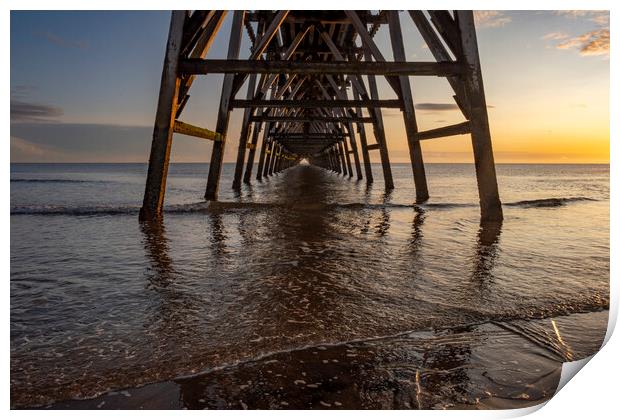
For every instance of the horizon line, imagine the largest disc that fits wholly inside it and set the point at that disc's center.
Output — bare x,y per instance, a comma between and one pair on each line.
372,163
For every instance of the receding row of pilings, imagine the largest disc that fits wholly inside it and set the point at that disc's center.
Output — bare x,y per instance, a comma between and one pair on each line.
307,61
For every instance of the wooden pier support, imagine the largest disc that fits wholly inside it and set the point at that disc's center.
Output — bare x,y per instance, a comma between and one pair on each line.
251,153
411,127
363,143
379,133
223,117
161,146
244,136
490,205
262,155
321,88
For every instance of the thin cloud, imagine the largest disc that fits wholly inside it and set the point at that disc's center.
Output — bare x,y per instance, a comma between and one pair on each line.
25,151
63,42
490,18
432,106
555,36
600,17
429,107
591,43
22,111
19,91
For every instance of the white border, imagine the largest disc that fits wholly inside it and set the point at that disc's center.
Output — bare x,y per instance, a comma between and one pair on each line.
591,395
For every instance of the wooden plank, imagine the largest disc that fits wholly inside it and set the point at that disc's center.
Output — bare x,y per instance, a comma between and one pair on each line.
181,127
161,145
393,68
450,130
315,103
375,146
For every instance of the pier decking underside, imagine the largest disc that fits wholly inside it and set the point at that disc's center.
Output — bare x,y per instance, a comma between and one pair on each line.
312,94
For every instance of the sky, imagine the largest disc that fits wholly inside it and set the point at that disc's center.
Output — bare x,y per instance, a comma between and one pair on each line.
84,88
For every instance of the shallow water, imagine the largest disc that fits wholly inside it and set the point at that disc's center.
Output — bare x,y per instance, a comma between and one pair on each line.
304,259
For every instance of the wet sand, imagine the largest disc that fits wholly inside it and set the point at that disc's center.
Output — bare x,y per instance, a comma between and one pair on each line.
485,366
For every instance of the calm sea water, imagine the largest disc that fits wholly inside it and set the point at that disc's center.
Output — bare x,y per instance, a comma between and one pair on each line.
404,305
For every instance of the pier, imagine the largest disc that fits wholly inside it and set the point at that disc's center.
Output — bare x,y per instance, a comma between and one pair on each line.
312,95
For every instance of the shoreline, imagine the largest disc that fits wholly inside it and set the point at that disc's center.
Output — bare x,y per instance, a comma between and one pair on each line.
468,367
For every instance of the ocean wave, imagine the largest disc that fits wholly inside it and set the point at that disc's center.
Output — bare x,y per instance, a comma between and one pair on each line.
73,211
56,181
548,202
214,206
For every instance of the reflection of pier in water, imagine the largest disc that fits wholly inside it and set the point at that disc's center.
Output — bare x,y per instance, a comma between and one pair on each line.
299,296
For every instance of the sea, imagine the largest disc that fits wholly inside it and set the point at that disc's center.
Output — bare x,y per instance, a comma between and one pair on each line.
307,289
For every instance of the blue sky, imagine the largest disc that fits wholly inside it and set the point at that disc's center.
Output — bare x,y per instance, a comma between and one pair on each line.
84,87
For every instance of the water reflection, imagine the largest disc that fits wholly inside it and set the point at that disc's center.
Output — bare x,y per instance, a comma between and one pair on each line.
169,324
217,234
487,252
291,270
156,248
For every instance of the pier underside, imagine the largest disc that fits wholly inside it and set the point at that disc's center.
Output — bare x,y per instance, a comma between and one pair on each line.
312,94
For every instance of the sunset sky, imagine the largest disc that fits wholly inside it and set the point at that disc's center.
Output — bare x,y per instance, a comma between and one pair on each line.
84,88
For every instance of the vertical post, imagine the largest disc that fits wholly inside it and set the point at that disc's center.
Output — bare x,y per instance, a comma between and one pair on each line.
490,205
328,156
250,163
343,161
379,131
363,141
411,127
274,155
277,159
335,160
269,158
347,155
356,156
244,135
263,153
164,122
223,117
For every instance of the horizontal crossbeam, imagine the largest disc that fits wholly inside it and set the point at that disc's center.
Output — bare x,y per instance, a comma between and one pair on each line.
450,130
315,103
296,137
181,127
311,119
400,68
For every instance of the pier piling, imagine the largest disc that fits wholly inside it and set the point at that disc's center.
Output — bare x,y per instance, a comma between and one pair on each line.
317,89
